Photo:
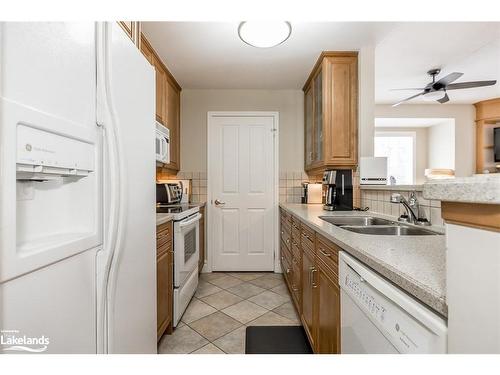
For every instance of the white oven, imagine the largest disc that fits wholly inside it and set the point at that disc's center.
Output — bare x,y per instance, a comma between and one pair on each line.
162,144
186,256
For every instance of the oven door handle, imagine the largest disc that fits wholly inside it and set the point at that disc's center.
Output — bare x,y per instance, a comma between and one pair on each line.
185,223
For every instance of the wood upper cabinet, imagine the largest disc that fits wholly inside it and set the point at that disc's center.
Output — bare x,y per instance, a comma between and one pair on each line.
331,112
173,121
308,125
161,89
147,50
133,30
168,103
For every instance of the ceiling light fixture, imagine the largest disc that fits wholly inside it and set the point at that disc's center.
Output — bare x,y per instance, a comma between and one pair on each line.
434,95
264,34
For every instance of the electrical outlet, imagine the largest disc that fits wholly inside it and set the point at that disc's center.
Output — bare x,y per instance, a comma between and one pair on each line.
25,191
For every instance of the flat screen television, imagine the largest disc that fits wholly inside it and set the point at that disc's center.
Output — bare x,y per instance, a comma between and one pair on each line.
496,144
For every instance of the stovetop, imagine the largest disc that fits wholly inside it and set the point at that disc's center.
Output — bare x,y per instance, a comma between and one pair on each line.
179,210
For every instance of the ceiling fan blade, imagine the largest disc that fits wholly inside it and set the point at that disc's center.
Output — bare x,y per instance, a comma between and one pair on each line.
410,98
412,88
446,80
444,99
469,85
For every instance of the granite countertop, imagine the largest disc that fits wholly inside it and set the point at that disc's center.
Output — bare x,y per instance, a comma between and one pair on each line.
163,218
476,189
417,264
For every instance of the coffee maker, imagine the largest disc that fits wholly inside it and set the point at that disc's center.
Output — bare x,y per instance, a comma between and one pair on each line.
338,186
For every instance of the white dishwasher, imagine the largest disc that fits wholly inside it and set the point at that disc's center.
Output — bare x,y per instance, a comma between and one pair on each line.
378,317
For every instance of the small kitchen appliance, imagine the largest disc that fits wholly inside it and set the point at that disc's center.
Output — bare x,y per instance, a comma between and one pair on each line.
338,190
312,193
373,170
173,191
162,144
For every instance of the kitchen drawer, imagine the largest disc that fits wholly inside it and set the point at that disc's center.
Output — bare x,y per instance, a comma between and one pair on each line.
296,286
307,237
328,253
160,250
295,249
285,251
295,227
287,269
163,233
286,219
285,237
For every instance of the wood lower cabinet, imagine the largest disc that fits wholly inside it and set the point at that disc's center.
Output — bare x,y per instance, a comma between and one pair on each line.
164,279
310,266
309,298
328,314
201,261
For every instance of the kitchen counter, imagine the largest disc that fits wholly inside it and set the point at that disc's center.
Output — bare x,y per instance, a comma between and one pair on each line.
475,189
417,264
163,218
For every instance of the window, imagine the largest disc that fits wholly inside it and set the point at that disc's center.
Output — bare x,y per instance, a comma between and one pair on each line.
399,148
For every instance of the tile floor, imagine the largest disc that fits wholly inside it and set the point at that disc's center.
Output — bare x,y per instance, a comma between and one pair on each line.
223,306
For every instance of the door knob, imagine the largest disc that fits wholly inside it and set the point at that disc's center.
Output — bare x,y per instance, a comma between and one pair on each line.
219,203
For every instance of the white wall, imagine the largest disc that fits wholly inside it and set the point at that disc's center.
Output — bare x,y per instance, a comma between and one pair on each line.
465,135
421,148
196,103
441,151
366,110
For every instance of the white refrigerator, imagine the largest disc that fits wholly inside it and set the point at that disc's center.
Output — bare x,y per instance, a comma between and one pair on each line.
77,199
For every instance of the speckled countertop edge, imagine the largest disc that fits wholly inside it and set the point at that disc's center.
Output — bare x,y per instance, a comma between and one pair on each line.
475,189
416,264
163,218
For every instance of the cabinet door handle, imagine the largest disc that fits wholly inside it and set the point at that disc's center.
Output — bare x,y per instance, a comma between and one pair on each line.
314,285
328,255
310,275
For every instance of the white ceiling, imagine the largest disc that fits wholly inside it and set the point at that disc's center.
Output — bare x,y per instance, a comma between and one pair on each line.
210,55
403,58
408,122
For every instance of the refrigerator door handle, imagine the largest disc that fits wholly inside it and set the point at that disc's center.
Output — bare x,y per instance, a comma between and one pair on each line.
117,190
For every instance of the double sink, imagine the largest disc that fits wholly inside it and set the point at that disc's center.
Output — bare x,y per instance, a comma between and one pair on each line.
375,225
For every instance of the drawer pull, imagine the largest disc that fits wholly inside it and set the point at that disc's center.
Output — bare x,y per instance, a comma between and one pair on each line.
314,285
328,255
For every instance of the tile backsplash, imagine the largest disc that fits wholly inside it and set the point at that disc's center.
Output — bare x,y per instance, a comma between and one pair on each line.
290,190
290,186
198,183
380,201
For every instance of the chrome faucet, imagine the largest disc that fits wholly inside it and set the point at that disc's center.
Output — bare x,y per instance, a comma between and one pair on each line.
412,209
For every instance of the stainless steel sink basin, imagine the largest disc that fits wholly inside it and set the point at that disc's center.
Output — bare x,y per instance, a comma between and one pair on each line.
391,230
355,220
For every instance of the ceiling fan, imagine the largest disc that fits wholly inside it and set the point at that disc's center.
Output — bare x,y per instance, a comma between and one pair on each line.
443,85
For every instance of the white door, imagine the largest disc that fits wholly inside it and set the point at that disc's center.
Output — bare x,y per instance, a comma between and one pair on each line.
242,190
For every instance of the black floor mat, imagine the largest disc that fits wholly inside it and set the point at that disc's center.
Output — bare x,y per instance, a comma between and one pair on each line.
276,340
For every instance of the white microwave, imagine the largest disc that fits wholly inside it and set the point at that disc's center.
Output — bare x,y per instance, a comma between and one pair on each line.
162,144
